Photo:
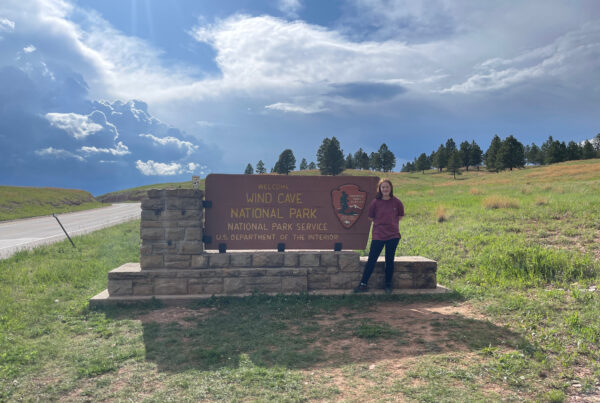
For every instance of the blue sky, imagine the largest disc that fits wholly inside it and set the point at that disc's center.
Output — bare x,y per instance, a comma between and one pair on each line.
105,95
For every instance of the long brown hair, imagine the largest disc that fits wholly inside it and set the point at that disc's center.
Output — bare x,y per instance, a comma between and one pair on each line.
379,195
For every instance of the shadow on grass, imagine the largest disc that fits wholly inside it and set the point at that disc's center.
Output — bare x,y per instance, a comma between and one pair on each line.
304,331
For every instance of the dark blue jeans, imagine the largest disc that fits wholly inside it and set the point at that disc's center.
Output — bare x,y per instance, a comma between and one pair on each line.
390,252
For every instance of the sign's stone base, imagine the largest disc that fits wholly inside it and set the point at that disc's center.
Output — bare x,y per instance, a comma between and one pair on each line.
245,273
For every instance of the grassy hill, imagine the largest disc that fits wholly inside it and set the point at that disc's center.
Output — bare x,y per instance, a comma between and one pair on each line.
22,202
520,250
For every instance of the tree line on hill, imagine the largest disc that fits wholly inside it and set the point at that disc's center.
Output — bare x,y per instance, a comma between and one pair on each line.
331,160
502,154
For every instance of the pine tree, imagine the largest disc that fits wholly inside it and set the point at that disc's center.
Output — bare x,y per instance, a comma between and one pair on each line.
588,150
465,154
511,154
249,170
260,167
450,146
312,165
533,155
476,157
422,163
596,142
454,163
574,151
374,162
286,162
492,153
349,163
330,157
387,159
440,158
303,164
361,159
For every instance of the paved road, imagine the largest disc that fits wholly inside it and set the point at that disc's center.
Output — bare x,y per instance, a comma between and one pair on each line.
28,233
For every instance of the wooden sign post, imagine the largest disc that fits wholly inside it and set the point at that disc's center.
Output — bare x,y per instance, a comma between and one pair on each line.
287,212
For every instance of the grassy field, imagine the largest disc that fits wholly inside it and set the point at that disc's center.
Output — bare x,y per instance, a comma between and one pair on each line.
22,202
520,250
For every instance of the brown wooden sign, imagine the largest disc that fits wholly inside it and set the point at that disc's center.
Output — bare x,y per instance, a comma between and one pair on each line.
300,212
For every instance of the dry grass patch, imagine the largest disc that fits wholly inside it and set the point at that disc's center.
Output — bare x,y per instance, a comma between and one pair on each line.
412,193
571,172
497,202
475,191
441,214
541,201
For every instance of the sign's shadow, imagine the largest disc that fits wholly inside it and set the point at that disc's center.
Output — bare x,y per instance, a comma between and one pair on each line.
299,332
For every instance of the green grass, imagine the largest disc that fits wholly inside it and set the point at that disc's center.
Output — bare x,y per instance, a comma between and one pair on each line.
22,202
521,325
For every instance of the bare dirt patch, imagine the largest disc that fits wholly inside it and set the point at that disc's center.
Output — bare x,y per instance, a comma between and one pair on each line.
420,328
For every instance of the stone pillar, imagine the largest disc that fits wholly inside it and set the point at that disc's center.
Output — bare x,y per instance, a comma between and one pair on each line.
171,228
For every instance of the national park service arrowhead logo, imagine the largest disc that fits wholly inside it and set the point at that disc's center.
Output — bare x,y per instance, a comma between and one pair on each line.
348,203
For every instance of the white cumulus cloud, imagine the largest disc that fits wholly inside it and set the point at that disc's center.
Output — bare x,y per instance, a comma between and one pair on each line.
58,153
158,168
288,107
29,49
7,25
290,7
120,149
168,140
78,126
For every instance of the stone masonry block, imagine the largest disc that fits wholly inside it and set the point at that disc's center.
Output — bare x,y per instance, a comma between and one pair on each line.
163,248
290,259
318,281
199,261
235,285
190,193
120,287
264,287
145,249
169,286
349,262
152,234
178,261
202,287
192,247
309,259
329,259
173,204
156,193
151,224
344,280
294,284
241,259
174,234
268,259
218,260
151,262
191,204
151,215
142,287
196,222
152,204
193,234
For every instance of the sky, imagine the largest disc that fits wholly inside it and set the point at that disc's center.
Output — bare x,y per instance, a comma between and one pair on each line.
107,95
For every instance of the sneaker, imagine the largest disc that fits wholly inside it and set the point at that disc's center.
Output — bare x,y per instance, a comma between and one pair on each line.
388,289
362,287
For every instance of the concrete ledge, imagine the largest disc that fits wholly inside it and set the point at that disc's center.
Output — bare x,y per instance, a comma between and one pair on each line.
104,300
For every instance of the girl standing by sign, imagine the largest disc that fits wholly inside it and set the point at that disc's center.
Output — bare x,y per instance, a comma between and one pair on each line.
385,212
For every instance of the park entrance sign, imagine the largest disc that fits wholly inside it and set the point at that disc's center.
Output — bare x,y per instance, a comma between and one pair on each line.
287,212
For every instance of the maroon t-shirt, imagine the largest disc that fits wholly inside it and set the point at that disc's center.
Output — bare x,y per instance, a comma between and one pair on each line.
385,215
